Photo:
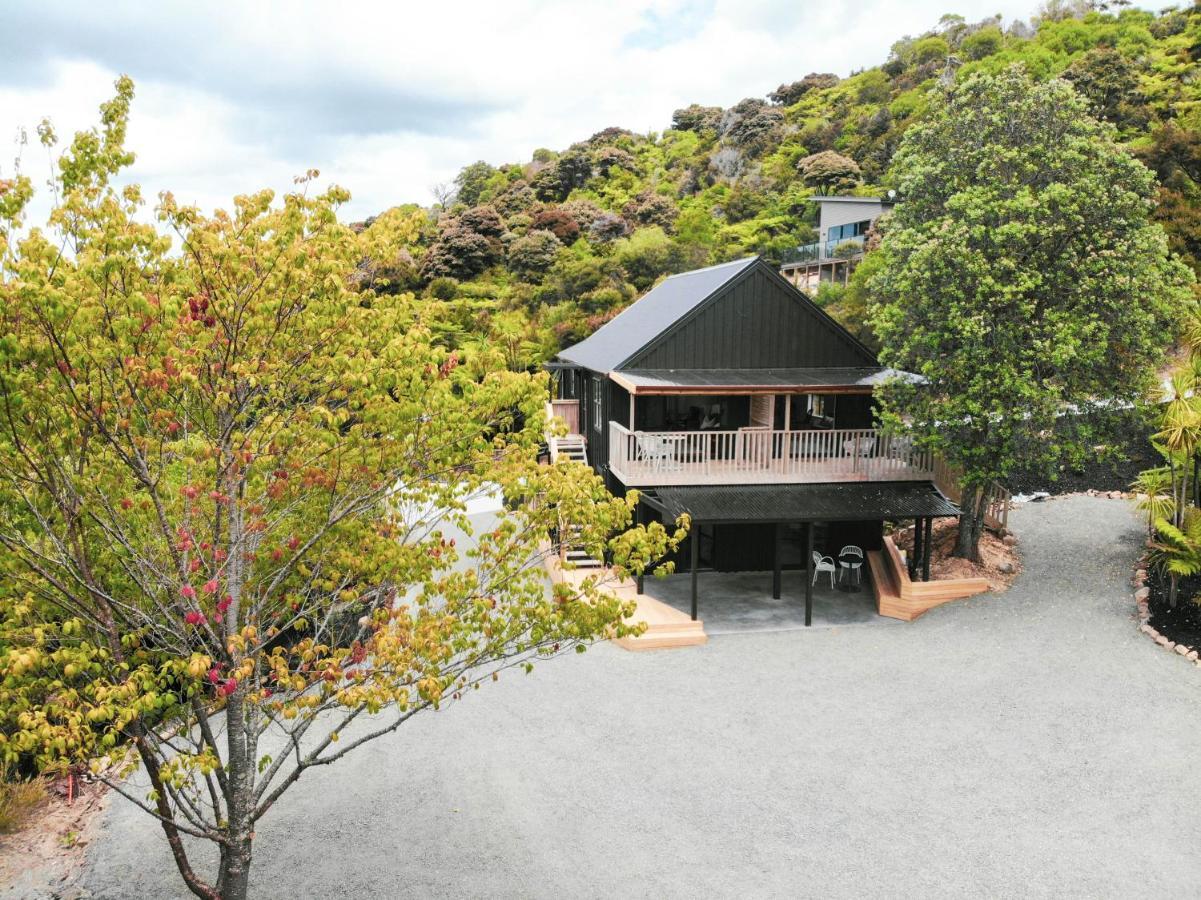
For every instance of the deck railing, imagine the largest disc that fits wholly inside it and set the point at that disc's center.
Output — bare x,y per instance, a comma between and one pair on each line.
996,497
763,456
825,251
567,410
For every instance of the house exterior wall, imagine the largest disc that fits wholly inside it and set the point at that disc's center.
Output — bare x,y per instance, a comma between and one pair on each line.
833,214
601,401
758,321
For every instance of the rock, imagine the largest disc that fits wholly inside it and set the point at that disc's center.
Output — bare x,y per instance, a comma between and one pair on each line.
1005,568
1192,655
1010,540
1161,640
1147,629
1142,594
1140,577
1182,650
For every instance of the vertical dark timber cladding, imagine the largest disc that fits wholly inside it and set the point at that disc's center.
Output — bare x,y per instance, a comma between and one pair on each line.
756,321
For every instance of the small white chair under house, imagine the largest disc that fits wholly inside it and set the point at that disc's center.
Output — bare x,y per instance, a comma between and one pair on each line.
823,564
850,559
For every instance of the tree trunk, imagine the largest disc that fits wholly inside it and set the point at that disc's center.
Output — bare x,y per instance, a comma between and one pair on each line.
235,872
234,879
970,523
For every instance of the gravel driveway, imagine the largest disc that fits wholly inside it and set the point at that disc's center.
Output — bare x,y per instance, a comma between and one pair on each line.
1025,744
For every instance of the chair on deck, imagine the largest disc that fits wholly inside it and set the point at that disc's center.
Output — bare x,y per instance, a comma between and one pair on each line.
900,447
658,451
823,564
863,446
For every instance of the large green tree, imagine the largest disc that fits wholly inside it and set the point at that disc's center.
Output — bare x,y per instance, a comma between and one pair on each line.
1021,277
234,535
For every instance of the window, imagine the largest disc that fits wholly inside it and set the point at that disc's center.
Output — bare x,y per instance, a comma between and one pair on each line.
847,232
597,387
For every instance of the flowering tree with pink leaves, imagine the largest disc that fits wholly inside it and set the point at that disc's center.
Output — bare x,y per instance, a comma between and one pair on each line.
235,536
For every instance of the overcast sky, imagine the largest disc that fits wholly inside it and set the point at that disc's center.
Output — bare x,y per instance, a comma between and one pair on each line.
390,98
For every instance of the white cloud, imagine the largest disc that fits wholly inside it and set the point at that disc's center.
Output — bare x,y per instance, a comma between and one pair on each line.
388,99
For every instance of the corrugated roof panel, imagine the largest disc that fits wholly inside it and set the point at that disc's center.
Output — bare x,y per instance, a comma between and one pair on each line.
652,314
729,503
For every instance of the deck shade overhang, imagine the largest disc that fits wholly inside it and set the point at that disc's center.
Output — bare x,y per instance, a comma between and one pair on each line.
729,504
820,380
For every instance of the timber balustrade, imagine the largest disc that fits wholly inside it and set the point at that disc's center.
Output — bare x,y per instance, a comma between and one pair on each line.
763,455
568,411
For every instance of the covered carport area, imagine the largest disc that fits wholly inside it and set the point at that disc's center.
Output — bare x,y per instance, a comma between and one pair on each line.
780,505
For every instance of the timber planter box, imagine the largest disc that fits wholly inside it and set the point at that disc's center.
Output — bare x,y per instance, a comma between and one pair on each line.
898,597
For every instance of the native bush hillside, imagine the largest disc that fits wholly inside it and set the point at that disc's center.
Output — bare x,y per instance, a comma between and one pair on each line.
534,255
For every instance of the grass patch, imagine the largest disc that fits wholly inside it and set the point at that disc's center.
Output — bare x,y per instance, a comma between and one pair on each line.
18,799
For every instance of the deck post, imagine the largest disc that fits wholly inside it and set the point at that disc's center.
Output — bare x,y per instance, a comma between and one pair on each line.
694,553
926,548
809,574
640,519
917,548
776,561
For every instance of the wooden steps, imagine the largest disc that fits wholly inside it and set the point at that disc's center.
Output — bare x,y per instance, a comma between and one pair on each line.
570,446
666,627
582,559
900,598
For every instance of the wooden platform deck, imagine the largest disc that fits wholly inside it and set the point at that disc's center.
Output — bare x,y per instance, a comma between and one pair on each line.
667,627
760,455
773,471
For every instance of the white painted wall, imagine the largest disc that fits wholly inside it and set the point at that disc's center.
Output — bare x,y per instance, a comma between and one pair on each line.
834,214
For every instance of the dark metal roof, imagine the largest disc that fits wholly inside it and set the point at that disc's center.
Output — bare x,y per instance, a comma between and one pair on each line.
651,315
730,503
844,199
648,381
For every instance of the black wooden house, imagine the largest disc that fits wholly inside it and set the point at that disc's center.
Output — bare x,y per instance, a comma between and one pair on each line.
725,393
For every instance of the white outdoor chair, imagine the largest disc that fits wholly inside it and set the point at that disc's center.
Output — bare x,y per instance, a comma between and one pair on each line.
864,446
823,564
659,452
900,447
850,550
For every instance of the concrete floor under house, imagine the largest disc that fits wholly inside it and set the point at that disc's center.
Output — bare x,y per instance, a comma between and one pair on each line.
733,602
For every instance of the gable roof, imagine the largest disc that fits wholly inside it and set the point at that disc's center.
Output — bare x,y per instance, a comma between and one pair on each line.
651,315
669,316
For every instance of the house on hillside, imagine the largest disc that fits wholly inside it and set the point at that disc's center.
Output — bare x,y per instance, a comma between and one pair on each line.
843,224
727,395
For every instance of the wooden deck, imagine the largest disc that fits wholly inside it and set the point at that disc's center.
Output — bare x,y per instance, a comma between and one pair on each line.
762,456
666,627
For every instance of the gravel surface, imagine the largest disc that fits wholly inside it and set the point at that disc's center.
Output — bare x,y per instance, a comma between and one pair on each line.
1025,744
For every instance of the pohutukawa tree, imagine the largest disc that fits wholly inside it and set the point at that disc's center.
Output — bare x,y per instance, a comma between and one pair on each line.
234,533
1022,277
